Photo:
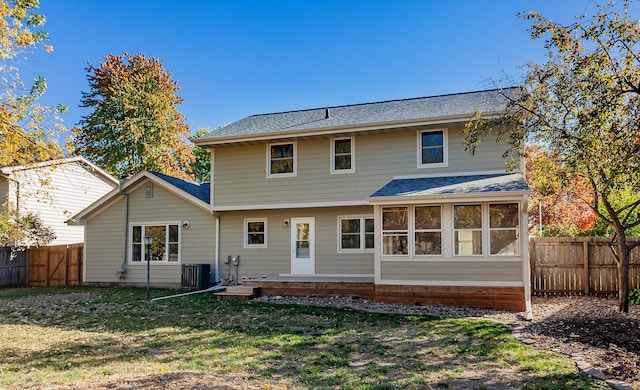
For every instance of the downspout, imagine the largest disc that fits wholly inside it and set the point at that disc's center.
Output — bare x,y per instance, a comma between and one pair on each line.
122,271
217,256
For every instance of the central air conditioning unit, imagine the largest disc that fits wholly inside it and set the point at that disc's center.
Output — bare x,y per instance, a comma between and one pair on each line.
195,276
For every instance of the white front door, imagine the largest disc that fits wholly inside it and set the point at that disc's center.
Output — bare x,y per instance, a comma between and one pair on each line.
303,246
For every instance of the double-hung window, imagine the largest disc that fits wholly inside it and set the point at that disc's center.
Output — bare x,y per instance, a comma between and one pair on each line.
504,229
342,155
281,159
355,234
395,230
432,148
428,230
467,229
255,233
165,246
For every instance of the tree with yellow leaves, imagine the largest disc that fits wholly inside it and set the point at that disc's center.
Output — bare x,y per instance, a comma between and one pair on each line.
26,132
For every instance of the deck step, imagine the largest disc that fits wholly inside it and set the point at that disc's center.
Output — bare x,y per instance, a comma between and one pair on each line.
241,293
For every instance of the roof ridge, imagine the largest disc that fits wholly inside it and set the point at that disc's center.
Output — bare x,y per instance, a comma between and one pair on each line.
383,101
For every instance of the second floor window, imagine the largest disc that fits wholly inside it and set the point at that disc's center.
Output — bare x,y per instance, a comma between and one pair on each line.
342,155
432,148
281,159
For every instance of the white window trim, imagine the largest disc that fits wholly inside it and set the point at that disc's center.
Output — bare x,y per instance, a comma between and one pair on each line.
143,251
409,232
489,230
483,228
362,248
412,218
333,157
445,149
295,160
246,233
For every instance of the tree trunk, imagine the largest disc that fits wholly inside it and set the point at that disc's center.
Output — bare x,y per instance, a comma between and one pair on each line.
623,274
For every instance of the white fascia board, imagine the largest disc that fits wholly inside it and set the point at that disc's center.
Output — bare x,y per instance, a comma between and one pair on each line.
274,206
448,198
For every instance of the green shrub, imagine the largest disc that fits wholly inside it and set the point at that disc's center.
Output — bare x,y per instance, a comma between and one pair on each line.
634,297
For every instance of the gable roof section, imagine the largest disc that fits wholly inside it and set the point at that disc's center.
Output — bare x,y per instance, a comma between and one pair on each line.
200,191
360,117
197,194
8,170
417,188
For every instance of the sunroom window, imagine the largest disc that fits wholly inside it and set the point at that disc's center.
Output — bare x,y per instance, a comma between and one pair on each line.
428,230
503,229
395,230
467,229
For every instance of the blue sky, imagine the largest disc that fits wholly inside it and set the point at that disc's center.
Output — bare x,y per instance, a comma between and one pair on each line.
237,58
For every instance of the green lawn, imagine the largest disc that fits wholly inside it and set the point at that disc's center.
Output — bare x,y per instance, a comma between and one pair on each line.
71,336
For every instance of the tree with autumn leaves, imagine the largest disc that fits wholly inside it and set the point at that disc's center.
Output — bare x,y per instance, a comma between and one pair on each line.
582,106
28,130
135,124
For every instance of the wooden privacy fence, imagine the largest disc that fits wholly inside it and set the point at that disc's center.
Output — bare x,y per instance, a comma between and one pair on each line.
13,267
578,265
59,265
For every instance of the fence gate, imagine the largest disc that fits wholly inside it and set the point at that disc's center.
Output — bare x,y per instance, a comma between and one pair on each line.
13,268
59,265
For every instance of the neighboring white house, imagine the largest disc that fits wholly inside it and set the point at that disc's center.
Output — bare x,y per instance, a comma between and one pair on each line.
55,190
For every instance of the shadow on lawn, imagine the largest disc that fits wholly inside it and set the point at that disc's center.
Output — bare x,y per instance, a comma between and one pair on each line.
309,346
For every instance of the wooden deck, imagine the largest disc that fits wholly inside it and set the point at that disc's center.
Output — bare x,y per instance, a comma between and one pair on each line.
498,298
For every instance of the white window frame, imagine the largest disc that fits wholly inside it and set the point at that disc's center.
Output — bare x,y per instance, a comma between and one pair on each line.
362,219
246,233
407,232
445,149
482,229
295,160
143,249
335,171
412,218
516,229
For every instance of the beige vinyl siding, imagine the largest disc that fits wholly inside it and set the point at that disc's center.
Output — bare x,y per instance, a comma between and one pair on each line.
57,192
481,270
106,237
275,259
240,178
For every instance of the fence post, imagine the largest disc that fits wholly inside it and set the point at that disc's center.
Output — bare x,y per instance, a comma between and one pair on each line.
532,266
585,259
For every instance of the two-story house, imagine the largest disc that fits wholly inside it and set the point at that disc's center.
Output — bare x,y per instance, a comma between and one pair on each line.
382,193
382,190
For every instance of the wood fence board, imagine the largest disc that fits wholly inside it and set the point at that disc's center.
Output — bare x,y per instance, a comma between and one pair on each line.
13,268
59,265
583,265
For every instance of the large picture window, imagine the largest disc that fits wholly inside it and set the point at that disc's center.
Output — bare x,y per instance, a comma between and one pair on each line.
342,155
503,229
255,233
165,246
432,148
428,230
467,229
356,234
281,159
395,231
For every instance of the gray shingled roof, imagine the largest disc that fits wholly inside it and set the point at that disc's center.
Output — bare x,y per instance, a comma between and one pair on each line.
200,191
425,108
453,185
